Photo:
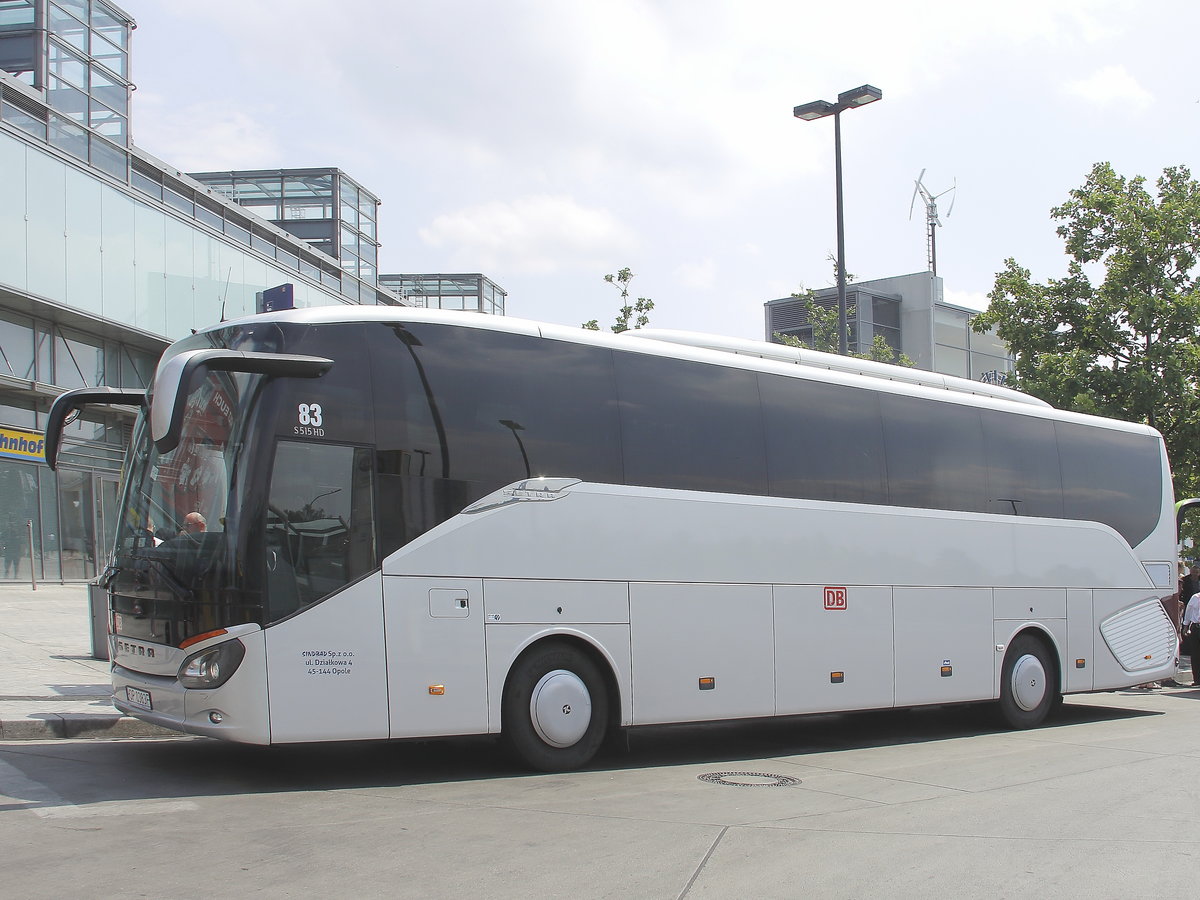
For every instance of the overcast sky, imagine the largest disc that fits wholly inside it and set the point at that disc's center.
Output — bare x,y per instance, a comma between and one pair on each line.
546,143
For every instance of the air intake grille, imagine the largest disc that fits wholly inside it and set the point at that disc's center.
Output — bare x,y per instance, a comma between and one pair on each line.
23,103
789,316
1140,637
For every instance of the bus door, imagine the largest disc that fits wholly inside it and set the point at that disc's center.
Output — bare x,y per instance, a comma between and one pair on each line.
326,673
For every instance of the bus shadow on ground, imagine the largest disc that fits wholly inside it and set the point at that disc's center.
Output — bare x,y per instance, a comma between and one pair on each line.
805,735
199,767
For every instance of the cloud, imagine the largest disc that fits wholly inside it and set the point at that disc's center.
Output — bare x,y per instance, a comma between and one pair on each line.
532,234
204,137
685,104
701,276
545,142
1112,84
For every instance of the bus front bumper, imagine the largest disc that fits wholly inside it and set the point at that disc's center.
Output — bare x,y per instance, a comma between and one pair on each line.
229,713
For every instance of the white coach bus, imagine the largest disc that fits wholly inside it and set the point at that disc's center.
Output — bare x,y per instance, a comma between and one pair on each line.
410,523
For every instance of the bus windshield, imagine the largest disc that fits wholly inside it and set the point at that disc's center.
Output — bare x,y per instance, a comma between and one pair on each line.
171,576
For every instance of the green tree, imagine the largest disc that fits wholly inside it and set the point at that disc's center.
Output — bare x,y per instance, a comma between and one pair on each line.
640,307
824,324
1117,335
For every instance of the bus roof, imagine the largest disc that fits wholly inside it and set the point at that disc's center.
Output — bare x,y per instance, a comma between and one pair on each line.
835,363
704,348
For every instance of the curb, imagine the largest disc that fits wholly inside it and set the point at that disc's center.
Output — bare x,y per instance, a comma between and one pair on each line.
73,726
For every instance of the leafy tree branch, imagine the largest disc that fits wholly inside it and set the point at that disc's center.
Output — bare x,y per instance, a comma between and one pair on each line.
640,308
1116,335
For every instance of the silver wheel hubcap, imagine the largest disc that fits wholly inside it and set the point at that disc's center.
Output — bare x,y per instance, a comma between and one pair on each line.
1029,682
561,708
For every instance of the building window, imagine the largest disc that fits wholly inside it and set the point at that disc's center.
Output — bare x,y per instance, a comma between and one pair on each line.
308,197
66,135
950,327
24,114
148,184
78,362
88,65
16,347
108,158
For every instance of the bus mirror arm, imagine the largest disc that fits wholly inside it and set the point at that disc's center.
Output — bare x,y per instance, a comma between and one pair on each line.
176,378
71,401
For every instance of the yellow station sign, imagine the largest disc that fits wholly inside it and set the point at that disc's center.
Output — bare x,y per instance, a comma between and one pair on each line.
20,443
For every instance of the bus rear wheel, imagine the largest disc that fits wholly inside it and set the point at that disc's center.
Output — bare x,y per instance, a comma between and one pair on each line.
555,709
1028,683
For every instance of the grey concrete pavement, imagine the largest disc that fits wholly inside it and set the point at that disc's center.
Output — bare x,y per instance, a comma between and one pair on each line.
935,803
50,686
927,803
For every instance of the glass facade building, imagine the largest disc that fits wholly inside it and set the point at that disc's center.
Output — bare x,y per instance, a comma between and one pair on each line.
472,292
324,207
106,256
75,52
909,313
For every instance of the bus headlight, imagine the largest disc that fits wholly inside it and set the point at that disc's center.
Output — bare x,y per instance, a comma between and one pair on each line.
213,666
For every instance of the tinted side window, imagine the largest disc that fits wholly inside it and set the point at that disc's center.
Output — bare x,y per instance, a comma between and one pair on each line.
514,406
1023,471
1112,477
690,426
320,523
336,406
462,412
824,441
935,456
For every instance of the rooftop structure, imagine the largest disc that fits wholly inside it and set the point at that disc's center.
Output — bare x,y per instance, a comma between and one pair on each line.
324,207
76,52
472,292
910,314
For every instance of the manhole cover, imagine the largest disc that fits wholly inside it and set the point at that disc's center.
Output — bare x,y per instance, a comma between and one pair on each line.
748,779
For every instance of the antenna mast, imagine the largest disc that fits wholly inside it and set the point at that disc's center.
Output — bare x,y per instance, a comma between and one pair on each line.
931,215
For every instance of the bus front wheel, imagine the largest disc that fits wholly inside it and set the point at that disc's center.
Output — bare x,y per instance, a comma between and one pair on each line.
1028,683
555,709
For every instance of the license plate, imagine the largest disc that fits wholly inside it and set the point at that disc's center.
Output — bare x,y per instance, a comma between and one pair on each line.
138,697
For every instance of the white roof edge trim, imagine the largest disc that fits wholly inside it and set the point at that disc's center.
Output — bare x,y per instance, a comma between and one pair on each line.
834,362
352,312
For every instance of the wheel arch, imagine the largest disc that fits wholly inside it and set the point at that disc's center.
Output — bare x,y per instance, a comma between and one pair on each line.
1040,633
584,644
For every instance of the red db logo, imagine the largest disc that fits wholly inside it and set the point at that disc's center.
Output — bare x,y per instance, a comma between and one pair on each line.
835,598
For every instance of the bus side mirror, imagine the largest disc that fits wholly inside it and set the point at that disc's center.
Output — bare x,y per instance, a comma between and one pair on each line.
175,378
1182,508
71,402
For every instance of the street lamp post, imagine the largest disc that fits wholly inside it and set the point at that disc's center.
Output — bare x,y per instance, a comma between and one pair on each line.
819,109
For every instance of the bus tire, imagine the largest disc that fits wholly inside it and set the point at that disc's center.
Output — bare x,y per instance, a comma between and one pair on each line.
1028,683
554,714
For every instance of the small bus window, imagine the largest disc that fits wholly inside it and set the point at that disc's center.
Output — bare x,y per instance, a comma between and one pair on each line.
320,531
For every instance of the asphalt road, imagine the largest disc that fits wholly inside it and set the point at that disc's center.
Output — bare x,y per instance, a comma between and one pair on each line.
931,803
